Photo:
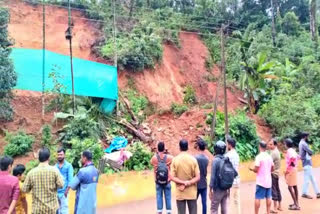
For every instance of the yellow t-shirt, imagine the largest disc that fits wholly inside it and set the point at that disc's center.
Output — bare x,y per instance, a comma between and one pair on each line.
185,167
19,206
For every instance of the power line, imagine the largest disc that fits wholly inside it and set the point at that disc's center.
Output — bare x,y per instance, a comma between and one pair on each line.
183,17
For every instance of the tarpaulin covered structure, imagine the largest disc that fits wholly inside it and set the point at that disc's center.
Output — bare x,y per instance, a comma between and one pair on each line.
91,79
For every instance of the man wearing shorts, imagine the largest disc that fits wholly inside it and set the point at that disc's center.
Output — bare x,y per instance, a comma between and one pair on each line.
263,168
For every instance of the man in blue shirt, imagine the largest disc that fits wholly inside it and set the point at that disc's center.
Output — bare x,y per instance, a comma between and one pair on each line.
85,182
66,170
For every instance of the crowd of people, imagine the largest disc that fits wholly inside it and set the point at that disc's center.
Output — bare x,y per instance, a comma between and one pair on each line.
48,185
189,173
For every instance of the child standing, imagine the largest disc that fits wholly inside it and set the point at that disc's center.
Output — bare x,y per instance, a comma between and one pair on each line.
22,205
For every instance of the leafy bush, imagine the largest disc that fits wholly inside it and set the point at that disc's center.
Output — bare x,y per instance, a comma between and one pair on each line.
189,95
46,138
79,126
178,109
291,113
138,51
139,104
242,129
140,159
73,155
18,144
6,111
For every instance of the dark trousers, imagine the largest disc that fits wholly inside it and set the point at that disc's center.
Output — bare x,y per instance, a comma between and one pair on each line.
203,193
192,206
276,193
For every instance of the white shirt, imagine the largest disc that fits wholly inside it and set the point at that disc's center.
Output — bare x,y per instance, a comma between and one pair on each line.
235,160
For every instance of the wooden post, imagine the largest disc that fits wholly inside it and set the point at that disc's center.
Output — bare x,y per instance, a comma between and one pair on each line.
69,37
43,57
223,67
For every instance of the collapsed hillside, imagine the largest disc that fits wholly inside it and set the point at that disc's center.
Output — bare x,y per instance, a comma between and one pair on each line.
162,86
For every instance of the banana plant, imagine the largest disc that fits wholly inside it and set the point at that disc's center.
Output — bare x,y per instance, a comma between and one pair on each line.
256,72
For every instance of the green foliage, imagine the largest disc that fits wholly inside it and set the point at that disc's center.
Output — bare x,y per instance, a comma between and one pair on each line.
189,95
138,104
241,128
80,126
291,114
73,155
290,24
8,76
46,138
31,165
178,109
108,170
141,157
18,143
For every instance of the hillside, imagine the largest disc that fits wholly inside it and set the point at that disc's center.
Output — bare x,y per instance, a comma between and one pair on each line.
162,86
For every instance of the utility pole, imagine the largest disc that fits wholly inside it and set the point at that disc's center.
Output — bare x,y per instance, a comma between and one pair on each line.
115,59
43,56
313,22
69,37
273,24
223,70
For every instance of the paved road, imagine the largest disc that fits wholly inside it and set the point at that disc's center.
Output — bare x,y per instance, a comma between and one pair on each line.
247,200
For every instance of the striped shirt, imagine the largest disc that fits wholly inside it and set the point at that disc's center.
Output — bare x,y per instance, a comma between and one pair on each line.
44,182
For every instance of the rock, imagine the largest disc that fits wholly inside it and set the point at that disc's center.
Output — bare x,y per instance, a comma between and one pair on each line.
160,129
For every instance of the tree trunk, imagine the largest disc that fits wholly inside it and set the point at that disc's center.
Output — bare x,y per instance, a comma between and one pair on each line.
132,2
273,23
313,21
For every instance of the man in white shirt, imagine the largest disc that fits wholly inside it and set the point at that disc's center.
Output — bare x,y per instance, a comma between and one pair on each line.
235,160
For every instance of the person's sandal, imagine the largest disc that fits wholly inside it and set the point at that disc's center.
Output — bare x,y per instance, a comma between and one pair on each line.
294,207
273,212
306,196
318,195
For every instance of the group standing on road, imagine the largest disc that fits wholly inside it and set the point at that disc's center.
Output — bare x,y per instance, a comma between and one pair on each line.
190,175
49,185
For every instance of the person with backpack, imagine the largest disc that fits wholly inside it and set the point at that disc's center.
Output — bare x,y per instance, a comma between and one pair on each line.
186,174
263,168
234,158
161,163
222,179
203,162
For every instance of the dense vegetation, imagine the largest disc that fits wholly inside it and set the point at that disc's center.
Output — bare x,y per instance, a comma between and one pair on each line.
8,76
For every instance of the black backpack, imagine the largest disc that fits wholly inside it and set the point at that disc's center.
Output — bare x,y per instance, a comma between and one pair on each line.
162,172
226,174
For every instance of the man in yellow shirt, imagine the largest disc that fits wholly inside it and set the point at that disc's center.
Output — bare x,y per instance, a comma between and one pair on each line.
22,205
186,174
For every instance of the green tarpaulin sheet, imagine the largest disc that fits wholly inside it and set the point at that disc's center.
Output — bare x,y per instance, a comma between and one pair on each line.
90,78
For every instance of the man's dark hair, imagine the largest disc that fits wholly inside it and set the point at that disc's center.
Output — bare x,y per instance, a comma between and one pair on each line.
19,170
201,144
44,155
304,134
61,150
289,143
183,144
263,145
232,142
161,147
5,162
87,154
275,141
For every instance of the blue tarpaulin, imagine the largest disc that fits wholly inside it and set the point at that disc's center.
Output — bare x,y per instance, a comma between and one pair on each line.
91,79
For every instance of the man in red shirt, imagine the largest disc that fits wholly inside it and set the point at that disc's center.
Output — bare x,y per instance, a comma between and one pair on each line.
9,187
